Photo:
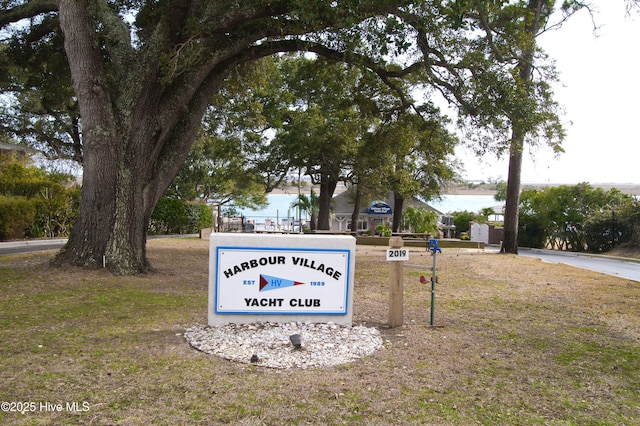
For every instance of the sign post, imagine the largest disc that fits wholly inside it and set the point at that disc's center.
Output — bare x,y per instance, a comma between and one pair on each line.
397,255
433,246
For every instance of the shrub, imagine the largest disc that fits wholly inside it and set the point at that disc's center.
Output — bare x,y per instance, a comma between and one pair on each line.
577,218
16,215
531,232
174,216
169,216
421,220
206,217
383,230
57,210
199,216
43,204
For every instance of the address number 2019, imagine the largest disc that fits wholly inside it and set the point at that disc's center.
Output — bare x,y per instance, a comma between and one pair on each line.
397,254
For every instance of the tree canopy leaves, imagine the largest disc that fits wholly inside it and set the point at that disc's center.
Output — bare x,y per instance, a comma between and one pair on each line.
577,218
144,74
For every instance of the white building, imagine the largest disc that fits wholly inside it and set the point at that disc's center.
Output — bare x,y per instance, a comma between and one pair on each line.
377,212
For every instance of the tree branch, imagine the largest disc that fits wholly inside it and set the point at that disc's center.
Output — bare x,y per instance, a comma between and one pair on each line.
385,74
27,10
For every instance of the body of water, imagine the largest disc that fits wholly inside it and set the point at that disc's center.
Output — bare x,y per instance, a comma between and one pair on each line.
279,207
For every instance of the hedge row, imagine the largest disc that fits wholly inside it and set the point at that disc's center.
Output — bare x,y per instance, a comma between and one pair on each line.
16,216
51,216
22,217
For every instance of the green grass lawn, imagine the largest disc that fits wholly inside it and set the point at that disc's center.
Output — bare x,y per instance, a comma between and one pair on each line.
520,343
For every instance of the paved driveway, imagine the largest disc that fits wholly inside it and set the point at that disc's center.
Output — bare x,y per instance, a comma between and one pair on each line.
57,243
30,245
620,267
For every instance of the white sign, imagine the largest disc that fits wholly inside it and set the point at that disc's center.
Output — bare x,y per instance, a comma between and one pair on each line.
397,254
280,278
259,280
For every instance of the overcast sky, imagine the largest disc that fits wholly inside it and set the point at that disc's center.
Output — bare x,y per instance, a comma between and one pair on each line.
600,92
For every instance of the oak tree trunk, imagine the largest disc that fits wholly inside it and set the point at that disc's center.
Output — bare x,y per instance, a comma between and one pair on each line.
512,204
86,247
327,188
136,135
398,204
355,215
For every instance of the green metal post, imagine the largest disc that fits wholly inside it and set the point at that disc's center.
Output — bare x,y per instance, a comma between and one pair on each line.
433,287
433,246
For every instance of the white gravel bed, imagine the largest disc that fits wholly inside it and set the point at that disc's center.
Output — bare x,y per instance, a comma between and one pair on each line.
269,344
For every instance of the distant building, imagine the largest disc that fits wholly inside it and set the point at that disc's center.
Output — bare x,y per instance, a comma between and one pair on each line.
378,212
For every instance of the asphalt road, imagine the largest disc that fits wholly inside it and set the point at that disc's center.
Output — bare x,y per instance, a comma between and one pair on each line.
619,267
54,244
30,245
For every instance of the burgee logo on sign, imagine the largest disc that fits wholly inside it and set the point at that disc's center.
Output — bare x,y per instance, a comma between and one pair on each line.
273,283
281,280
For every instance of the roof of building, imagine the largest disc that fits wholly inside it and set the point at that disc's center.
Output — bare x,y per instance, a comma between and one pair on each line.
4,146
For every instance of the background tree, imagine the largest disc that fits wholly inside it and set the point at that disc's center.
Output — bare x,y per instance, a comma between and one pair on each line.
253,105
421,152
367,177
325,125
502,67
528,120
217,173
422,221
501,191
311,205
487,211
577,218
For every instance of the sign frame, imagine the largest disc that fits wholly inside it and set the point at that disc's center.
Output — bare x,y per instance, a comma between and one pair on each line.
328,276
250,248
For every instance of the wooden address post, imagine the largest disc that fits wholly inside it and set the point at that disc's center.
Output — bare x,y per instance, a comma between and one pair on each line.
396,301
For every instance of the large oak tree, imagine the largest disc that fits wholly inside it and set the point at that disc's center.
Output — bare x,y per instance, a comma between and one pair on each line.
144,72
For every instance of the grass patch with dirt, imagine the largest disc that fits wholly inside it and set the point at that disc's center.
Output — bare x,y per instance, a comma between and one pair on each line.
519,342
